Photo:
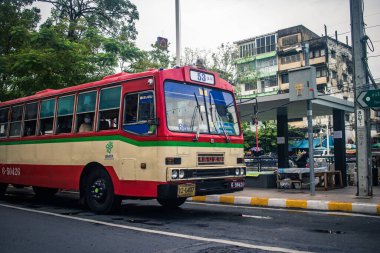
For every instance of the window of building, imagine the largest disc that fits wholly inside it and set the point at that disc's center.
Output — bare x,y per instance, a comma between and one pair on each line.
4,112
47,117
266,44
333,74
30,119
65,114
315,53
290,58
344,77
290,40
321,72
109,108
333,54
85,112
247,50
16,118
249,86
285,78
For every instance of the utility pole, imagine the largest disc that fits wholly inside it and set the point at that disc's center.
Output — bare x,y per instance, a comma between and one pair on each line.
310,129
362,119
178,32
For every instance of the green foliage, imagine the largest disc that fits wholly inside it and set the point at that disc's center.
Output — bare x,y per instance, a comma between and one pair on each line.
156,58
267,136
114,18
73,46
223,61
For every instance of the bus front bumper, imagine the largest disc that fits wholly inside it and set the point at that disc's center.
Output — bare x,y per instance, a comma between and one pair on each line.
200,188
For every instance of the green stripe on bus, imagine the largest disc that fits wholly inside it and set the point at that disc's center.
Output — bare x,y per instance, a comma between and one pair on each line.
127,140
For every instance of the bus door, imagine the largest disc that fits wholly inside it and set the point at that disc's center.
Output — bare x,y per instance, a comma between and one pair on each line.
139,125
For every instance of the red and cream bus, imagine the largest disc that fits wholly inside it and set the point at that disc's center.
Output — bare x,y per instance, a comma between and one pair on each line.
161,134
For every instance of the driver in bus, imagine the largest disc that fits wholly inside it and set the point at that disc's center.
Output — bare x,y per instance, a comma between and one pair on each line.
86,126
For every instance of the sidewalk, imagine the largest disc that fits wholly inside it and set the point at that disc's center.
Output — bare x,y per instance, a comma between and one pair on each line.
343,199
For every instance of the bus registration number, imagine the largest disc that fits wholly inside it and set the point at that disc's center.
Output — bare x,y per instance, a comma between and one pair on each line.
186,190
237,184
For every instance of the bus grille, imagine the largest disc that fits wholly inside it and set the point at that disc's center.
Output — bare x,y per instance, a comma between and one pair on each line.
205,173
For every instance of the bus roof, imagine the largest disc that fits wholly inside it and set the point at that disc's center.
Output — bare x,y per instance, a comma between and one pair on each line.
178,73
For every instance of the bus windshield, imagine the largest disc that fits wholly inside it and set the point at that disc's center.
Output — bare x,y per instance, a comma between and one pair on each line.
193,108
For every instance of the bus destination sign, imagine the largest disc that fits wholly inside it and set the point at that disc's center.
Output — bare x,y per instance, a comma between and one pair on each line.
202,77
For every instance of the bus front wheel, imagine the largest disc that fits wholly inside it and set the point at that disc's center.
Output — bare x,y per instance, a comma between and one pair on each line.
44,192
171,203
3,189
99,192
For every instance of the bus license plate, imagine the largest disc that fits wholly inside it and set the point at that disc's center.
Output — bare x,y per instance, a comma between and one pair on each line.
186,190
237,184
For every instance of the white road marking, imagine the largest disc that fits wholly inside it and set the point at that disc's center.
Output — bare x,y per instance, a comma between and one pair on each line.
158,232
256,217
289,210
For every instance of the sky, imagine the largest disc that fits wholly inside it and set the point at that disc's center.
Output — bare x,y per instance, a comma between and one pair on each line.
205,24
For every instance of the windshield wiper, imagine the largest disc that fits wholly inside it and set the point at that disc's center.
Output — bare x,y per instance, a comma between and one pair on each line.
219,119
199,118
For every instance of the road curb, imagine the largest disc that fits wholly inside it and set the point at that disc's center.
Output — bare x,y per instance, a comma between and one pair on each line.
366,208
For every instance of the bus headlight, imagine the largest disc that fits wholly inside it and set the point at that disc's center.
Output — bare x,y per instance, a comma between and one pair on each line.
174,174
237,171
242,171
181,174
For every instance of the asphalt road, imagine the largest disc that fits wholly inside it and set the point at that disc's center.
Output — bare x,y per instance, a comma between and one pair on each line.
61,225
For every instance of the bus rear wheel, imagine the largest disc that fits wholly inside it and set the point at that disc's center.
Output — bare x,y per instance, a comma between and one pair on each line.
3,189
171,203
44,192
99,192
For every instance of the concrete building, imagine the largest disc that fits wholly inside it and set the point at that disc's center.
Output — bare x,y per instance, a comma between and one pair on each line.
264,62
268,58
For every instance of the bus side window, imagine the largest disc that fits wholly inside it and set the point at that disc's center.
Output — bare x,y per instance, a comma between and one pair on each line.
85,112
65,114
4,112
138,109
109,108
16,117
130,109
30,119
47,117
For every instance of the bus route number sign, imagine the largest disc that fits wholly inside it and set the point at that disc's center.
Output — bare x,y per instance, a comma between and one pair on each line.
202,77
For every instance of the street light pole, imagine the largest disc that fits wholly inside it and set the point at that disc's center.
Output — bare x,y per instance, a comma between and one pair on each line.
178,32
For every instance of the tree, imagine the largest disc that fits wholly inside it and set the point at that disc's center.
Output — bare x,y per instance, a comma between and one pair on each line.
223,61
82,41
156,58
190,57
17,23
112,17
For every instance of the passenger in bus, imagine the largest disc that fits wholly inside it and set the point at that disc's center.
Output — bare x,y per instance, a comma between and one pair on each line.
86,126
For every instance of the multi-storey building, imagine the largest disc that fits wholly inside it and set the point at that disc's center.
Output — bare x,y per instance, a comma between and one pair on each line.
257,64
264,62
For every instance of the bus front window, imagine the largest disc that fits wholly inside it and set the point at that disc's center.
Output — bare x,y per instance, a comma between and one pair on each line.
185,108
192,108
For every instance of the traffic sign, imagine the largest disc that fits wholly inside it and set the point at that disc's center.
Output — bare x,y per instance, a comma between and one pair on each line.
370,98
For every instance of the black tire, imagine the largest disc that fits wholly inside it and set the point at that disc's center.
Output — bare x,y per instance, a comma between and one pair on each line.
99,192
3,188
44,192
171,203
